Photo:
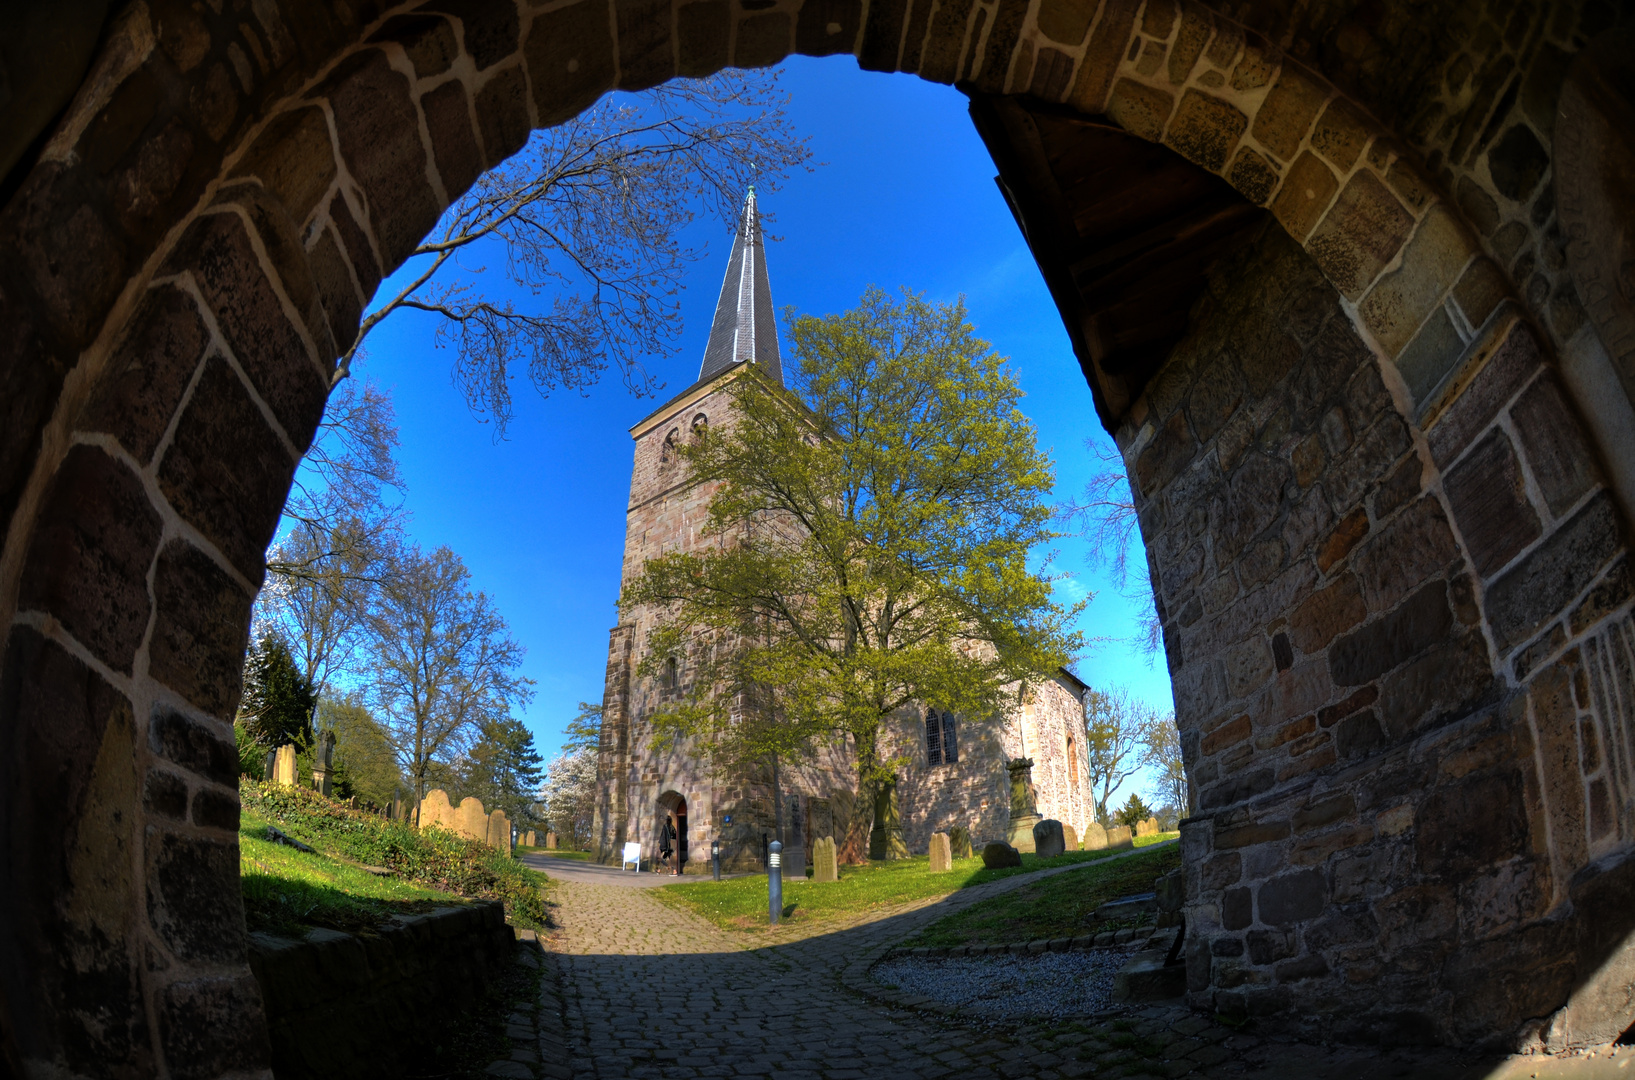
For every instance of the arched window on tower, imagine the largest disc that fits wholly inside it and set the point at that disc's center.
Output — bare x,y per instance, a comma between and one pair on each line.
668,453
950,744
1072,761
933,738
700,424
672,674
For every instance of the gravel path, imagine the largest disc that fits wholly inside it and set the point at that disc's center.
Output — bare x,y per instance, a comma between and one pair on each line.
1053,985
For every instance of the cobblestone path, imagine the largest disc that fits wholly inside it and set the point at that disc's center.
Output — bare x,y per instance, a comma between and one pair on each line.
651,992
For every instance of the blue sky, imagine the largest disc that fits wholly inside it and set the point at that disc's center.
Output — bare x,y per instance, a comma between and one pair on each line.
905,196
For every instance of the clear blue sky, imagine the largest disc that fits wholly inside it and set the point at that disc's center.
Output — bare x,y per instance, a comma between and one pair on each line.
905,196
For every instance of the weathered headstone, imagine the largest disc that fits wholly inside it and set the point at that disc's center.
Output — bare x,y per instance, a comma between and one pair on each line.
959,840
550,841
499,831
1024,813
1119,836
1147,828
1071,837
1048,841
942,853
323,759
825,867
1000,854
284,765
531,840
435,810
1095,836
471,821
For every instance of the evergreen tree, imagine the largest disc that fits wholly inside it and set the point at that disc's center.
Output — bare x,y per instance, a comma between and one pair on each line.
503,769
876,526
278,699
1134,812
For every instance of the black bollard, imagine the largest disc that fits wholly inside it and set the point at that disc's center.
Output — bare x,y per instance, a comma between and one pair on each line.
715,858
774,880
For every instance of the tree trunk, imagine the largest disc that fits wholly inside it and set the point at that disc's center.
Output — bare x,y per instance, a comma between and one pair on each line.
854,849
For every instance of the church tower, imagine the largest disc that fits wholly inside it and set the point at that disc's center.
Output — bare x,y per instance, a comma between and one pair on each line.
638,783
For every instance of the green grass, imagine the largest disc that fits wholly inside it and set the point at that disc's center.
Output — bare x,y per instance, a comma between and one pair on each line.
334,887
287,891
1054,907
741,903
557,853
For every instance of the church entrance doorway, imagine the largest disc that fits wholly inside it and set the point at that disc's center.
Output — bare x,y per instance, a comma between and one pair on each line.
672,810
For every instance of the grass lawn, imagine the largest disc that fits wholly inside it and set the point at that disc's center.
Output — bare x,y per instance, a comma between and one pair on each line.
741,904
557,853
1055,907
288,891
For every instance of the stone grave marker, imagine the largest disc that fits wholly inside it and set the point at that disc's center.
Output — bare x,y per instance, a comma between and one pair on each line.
284,765
499,831
1147,828
435,810
825,867
1000,854
1119,836
550,841
1095,837
959,840
472,819
942,853
1071,837
1048,841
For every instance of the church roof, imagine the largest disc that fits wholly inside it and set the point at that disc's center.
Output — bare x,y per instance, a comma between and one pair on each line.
744,327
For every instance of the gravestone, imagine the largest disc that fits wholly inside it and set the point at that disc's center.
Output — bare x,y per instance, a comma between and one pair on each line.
1048,841
550,841
528,839
499,831
1119,836
825,867
1095,837
959,841
1071,837
1024,814
323,760
1147,828
435,810
471,821
1000,854
284,765
942,854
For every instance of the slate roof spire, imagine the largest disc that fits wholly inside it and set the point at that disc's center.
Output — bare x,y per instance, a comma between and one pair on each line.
744,328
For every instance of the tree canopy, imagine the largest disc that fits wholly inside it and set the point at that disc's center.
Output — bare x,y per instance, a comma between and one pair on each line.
880,529
278,699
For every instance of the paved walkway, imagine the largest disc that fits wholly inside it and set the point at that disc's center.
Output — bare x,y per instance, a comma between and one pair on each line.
586,872
641,990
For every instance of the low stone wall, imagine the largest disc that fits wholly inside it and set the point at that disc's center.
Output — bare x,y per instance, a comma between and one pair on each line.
350,1004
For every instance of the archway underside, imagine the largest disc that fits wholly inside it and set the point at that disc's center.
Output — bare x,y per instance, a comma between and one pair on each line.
1392,577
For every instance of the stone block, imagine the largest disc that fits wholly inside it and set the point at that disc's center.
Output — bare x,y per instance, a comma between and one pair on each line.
1066,22
1102,54
1139,109
1326,614
212,1026
1432,262
489,26
942,857
1196,28
1482,288
1361,233
763,40
1489,499
1500,364
1224,735
569,52
148,373
1552,437
1291,898
1253,176
1145,977
999,854
199,632
704,33
1206,130
1368,652
1048,839
1285,117
1305,194
1563,566
1555,724
428,40
1464,827
1405,552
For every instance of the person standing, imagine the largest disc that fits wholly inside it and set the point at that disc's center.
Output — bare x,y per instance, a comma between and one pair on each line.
667,842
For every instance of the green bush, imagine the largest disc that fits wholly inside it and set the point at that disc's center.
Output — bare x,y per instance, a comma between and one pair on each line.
432,857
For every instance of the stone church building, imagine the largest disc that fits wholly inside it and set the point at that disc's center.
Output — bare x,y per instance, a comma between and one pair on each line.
956,772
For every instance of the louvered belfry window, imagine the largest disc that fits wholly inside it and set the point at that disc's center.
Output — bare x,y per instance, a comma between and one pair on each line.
933,738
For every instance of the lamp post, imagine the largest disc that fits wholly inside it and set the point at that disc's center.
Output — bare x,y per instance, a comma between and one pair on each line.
715,858
774,880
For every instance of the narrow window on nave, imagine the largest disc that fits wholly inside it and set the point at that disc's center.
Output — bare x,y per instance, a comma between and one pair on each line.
950,745
933,738
1072,762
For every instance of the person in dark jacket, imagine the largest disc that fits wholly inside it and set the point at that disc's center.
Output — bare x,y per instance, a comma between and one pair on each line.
667,842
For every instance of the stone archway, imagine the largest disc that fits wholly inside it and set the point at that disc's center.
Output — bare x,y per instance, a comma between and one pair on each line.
201,230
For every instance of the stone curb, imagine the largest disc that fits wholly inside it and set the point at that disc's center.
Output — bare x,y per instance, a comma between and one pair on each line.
856,975
538,1031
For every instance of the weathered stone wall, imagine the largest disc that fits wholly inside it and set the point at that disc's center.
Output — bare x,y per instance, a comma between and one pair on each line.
362,1005
1381,619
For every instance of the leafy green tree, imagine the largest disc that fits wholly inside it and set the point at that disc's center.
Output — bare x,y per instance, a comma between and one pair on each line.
585,729
1115,729
364,762
1162,754
503,769
276,707
1133,812
876,525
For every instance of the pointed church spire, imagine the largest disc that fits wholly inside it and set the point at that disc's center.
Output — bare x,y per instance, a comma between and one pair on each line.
744,327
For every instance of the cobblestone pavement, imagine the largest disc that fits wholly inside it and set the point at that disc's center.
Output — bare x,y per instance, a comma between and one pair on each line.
649,991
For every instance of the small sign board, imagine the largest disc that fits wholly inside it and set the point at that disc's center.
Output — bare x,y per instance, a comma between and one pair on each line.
632,854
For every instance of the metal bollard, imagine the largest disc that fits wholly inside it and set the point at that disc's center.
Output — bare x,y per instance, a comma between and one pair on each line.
774,880
715,858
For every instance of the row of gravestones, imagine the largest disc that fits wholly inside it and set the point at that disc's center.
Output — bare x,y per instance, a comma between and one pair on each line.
531,839
1050,838
468,819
